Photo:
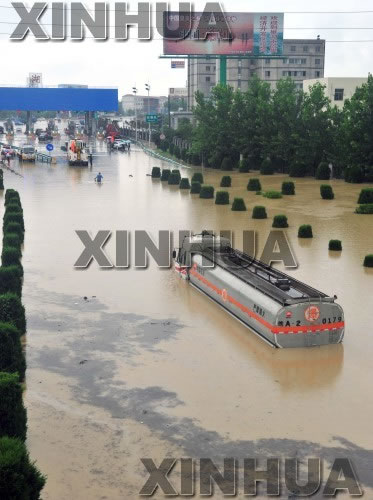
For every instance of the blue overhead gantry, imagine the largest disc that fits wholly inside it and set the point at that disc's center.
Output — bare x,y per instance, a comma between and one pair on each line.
88,100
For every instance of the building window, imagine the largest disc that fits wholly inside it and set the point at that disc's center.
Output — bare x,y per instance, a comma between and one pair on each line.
338,94
317,74
239,69
252,62
317,61
268,61
267,74
305,48
285,61
252,73
208,68
295,73
208,79
304,73
293,48
239,84
318,48
303,61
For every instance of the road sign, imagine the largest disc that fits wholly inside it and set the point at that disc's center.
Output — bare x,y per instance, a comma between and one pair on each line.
162,137
152,118
49,147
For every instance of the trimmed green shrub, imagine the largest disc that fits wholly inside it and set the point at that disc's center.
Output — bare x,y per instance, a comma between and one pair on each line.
156,172
11,240
258,193
184,183
184,154
13,207
10,256
366,196
274,195
11,280
238,205
13,217
226,181
196,188
365,209
368,261
12,359
244,167
12,311
12,194
259,212
206,192
335,245
323,172
254,185
197,177
19,477
165,174
14,228
326,192
177,172
297,169
305,231
267,167
177,152
227,164
12,412
171,148
354,174
173,179
288,188
222,198
280,221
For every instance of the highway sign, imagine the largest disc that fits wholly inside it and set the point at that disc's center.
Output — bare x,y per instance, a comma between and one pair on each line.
152,118
49,147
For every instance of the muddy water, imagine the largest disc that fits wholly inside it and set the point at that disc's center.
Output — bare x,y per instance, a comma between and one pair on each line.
148,367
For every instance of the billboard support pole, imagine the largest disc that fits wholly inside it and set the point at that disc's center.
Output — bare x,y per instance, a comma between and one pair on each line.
223,70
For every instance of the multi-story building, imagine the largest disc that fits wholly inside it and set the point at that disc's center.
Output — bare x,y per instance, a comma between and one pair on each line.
144,104
336,88
301,60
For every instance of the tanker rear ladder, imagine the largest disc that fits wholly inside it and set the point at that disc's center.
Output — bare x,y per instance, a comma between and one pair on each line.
265,278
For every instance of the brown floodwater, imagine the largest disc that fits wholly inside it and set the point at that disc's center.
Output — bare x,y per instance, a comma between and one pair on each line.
149,367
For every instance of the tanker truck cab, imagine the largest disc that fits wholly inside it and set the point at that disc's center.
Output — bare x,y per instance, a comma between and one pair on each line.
280,309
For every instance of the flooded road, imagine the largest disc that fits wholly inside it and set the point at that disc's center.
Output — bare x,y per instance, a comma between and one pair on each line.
148,367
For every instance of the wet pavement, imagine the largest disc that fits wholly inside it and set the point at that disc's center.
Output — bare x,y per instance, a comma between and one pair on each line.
148,367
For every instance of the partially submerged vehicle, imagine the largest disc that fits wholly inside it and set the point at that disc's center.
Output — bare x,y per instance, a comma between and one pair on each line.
77,153
27,153
280,309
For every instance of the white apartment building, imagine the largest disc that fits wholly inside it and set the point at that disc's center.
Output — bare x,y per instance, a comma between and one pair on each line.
338,89
301,60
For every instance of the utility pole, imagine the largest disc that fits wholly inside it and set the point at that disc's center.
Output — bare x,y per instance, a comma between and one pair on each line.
147,88
134,90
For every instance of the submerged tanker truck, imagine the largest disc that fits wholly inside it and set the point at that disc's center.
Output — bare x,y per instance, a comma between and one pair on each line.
281,310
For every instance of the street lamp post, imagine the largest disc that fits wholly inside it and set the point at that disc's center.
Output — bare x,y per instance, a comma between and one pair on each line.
147,88
134,90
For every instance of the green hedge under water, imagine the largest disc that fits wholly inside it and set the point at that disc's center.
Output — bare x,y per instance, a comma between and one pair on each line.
259,212
12,311
280,221
305,231
238,205
11,280
196,188
207,192
197,177
222,198
12,359
254,185
12,412
19,477
226,181
14,228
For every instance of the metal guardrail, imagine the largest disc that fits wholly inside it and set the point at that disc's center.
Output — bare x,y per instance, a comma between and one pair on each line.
43,157
154,154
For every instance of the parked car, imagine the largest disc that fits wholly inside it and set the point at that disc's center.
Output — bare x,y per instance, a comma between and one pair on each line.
45,136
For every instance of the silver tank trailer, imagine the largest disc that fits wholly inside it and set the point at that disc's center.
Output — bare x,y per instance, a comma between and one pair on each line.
278,308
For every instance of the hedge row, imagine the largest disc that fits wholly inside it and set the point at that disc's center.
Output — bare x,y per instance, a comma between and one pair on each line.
19,477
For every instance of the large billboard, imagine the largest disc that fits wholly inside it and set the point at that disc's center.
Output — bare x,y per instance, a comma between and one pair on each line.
58,99
257,34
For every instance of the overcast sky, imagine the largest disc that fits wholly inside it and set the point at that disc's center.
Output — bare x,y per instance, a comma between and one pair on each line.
124,64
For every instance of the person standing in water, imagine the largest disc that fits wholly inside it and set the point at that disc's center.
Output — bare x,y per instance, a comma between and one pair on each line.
90,159
99,177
